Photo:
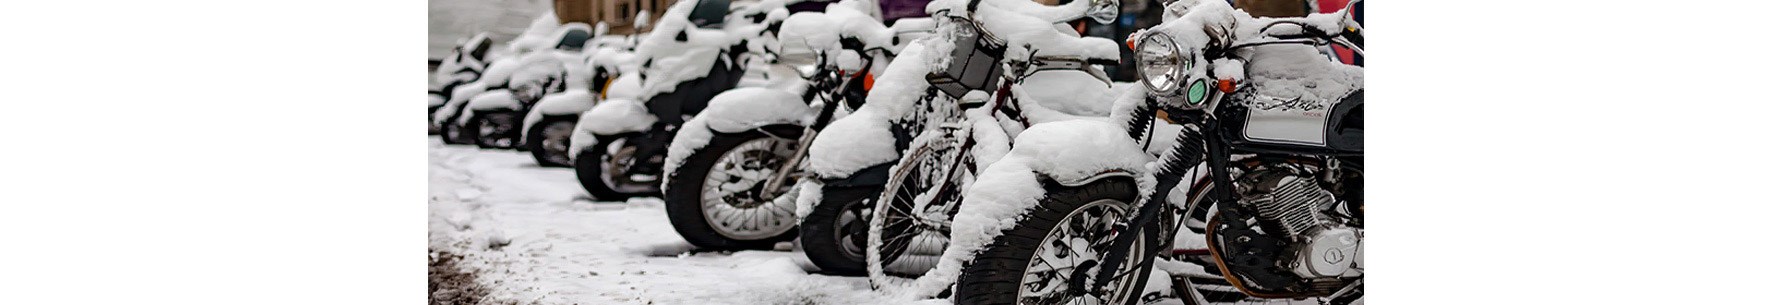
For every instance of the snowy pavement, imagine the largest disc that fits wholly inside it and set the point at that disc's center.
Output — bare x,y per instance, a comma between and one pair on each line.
531,235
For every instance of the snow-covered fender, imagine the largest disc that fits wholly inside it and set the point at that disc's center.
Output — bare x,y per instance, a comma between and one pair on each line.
459,99
738,110
559,104
610,117
1071,152
490,100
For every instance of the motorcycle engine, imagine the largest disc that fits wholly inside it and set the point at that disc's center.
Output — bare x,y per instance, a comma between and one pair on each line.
1296,208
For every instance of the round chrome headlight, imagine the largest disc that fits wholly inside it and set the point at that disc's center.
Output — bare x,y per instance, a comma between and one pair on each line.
1160,63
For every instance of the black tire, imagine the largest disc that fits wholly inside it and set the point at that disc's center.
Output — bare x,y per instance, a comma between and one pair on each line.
434,129
826,242
537,141
995,275
455,133
589,168
499,139
684,198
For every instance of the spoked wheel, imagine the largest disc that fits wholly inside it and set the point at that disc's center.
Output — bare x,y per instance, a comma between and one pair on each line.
912,219
720,199
549,140
1053,254
1210,288
616,160
495,129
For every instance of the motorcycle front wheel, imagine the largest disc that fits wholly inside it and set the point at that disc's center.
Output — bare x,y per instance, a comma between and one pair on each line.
603,173
494,129
453,132
549,139
1052,254
718,198
911,220
834,233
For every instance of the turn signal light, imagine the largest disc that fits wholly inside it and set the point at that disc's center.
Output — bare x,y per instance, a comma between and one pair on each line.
1227,85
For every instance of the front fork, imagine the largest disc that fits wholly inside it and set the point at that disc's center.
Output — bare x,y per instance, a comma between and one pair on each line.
802,148
1191,148
802,151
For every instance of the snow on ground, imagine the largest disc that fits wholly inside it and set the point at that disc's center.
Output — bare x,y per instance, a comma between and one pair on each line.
532,235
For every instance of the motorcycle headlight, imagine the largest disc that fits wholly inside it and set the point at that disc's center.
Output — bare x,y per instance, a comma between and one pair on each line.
1160,63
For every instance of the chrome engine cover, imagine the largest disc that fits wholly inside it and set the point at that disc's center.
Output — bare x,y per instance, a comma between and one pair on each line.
1293,207
1328,252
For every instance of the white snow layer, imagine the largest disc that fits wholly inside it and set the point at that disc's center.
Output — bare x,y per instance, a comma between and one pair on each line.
494,99
1009,188
611,116
570,102
732,111
528,235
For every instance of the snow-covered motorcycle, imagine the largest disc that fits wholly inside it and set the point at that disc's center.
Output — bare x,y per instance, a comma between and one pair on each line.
548,127
952,125
729,169
495,77
1267,166
463,65
697,50
496,118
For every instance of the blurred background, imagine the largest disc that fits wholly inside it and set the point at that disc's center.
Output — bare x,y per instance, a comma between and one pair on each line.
451,20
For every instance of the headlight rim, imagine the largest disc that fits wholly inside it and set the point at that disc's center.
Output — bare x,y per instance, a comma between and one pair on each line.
1179,69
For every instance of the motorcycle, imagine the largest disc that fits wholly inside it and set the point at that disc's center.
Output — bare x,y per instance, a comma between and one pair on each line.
697,50
548,127
495,77
1267,166
953,126
729,169
463,65
496,117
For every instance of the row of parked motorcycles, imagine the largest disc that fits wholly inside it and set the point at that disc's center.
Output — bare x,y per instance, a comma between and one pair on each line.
980,154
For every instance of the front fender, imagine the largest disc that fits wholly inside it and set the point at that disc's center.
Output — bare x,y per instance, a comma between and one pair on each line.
855,142
1070,152
558,104
490,100
610,117
457,101
742,109
737,110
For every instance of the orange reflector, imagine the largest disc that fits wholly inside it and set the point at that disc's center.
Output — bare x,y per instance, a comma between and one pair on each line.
1129,44
868,82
